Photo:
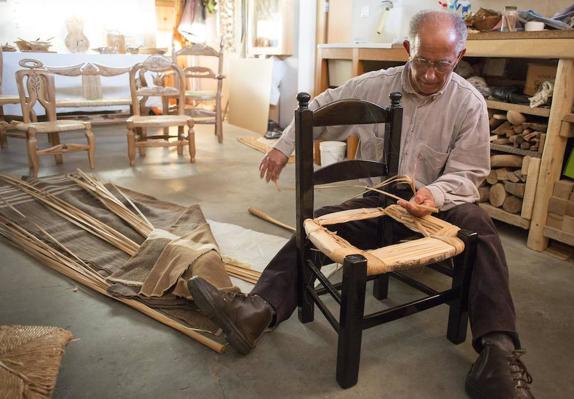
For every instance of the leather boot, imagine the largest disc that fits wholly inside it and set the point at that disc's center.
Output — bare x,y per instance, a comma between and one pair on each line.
498,374
243,318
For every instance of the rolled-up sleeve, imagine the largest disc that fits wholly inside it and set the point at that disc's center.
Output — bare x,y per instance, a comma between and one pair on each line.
468,162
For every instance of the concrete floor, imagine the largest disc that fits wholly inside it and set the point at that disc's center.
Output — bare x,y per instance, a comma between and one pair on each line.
121,353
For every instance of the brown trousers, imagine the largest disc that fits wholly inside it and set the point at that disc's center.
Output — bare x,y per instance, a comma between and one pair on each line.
490,304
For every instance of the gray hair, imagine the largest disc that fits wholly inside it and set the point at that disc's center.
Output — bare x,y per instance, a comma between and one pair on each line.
429,15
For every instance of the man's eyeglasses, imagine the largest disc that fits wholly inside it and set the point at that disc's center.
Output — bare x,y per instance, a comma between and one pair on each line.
442,66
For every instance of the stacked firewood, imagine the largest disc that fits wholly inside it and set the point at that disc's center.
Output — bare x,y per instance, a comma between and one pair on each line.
512,129
505,186
561,207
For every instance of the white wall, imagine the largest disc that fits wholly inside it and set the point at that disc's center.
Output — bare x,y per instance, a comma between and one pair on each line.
30,19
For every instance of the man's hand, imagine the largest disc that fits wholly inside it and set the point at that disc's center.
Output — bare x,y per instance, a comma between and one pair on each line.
272,164
422,197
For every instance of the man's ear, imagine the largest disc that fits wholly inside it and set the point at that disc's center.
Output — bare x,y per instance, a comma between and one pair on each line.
407,46
460,55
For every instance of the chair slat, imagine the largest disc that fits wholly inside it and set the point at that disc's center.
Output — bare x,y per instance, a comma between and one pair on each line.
349,170
350,112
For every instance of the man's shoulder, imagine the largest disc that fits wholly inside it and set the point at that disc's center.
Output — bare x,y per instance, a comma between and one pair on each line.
461,87
389,74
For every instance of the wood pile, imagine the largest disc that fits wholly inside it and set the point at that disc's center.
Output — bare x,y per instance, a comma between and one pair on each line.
513,130
561,207
511,184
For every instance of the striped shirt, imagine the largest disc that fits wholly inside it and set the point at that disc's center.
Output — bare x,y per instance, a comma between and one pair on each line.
445,136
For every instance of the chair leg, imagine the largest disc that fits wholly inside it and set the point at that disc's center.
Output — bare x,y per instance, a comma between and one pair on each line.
191,143
381,287
306,305
350,321
32,146
180,140
91,146
55,140
131,146
458,312
3,140
219,128
143,137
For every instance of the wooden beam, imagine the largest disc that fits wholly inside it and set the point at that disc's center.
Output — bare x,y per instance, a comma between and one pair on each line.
519,48
503,216
551,163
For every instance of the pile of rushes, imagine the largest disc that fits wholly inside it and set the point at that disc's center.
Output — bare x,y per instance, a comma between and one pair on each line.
55,255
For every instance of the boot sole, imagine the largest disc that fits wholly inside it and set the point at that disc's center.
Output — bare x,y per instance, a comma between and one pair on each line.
204,301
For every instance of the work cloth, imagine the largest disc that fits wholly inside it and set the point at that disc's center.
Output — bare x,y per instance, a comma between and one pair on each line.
491,308
445,136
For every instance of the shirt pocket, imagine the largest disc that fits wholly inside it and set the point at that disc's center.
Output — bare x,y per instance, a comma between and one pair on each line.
430,163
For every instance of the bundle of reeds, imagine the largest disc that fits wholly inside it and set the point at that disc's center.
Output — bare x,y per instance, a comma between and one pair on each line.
65,262
76,216
98,189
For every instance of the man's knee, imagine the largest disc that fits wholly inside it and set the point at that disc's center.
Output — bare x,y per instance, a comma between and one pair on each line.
471,217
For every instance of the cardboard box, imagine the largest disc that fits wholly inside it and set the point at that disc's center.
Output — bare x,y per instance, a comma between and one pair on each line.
536,74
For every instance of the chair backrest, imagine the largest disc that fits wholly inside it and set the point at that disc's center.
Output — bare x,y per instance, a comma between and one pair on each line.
342,112
203,72
36,86
162,67
89,72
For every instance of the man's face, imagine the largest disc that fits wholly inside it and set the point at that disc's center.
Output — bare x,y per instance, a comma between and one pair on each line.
433,57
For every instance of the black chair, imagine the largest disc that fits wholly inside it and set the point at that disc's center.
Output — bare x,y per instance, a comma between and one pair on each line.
350,293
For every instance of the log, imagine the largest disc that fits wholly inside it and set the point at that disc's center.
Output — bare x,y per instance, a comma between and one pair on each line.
504,174
506,160
502,129
520,176
525,163
492,177
512,204
516,189
497,195
502,141
484,192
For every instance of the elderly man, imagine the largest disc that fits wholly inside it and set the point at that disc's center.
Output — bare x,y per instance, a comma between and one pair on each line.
445,147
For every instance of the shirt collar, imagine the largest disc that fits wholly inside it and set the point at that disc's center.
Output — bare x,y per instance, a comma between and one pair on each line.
408,87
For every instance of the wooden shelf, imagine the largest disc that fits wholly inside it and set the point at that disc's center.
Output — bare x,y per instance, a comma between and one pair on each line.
525,109
506,217
513,150
558,235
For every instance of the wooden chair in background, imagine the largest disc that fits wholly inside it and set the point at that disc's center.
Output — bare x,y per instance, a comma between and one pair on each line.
36,86
204,105
138,124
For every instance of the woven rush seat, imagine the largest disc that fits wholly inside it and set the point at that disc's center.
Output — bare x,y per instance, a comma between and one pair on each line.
159,120
201,94
440,240
52,126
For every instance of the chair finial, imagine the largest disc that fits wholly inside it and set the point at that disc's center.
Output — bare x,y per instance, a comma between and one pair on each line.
395,99
303,99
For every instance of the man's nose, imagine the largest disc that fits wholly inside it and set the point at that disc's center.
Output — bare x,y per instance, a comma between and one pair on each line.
430,74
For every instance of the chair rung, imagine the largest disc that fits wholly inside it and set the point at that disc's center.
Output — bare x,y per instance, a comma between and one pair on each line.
414,283
442,268
397,312
326,283
323,308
